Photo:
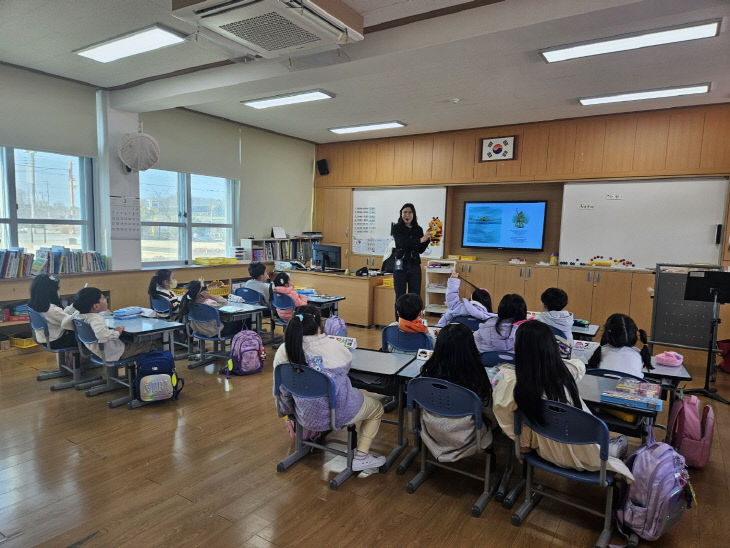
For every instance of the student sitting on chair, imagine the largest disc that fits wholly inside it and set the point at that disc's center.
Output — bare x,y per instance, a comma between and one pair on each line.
161,285
197,293
259,281
89,303
618,351
283,287
409,307
498,333
479,307
539,372
455,359
553,301
45,300
306,344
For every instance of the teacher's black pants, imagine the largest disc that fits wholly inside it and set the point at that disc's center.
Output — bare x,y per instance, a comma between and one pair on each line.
407,280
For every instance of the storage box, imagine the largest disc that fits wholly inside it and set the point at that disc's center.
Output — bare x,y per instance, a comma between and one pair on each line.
22,342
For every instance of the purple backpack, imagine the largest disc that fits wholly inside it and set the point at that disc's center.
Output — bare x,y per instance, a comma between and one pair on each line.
335,326
247,353
659,494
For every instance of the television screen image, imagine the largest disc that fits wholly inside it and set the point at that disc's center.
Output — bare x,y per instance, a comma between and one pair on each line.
326,256
504,225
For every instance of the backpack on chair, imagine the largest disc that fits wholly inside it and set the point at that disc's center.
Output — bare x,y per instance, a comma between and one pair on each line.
247,353
156,378
335,326
689,435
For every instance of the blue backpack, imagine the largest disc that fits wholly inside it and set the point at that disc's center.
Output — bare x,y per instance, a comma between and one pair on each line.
335,326
156,378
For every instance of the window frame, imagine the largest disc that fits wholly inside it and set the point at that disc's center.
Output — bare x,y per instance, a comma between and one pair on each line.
185,223
86,189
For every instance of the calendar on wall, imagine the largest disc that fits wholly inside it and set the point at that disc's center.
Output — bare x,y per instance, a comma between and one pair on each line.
125,218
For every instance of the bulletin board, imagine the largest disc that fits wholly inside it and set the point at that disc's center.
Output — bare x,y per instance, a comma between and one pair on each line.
373,211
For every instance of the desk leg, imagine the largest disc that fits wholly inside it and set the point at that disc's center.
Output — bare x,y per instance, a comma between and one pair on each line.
415,450
402,441
111,375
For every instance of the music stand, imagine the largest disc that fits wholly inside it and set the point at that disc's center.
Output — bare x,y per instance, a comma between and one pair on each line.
709,286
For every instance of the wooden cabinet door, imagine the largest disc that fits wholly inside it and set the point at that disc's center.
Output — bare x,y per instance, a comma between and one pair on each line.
611,295
482,276
356,262
333,214
537,280
640,307
507,279
578,284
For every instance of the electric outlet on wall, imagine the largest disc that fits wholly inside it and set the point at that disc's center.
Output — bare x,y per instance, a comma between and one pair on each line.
613,196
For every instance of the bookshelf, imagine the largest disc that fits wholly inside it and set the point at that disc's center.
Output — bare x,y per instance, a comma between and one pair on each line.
294,248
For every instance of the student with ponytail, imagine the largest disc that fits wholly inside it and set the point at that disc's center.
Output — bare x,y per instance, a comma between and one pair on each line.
306,344
618,350
161,285
198,293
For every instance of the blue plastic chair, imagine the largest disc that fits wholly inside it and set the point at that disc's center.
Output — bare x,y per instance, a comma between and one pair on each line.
282,302
85,335
570,425
38,325
161,305
203,313
401,341
469,321
448,400
305,382
558,332
495,357
249,296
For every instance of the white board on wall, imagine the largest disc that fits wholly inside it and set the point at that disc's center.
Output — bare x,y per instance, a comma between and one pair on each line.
373,211
646,222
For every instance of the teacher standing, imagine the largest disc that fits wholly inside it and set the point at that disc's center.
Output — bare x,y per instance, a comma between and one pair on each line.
410,242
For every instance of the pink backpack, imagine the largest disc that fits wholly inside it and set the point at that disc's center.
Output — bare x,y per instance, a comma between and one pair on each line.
247,353
689,435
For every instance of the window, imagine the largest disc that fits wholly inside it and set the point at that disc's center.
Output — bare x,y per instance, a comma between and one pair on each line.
185,216
45,200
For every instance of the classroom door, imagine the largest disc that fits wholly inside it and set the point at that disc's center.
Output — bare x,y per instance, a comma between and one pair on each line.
507,279
578,284
611,295
538,280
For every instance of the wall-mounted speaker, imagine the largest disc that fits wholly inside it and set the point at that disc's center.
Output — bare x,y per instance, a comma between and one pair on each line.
322,167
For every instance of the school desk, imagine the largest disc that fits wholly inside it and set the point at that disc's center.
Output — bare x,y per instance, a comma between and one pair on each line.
326,303
243,311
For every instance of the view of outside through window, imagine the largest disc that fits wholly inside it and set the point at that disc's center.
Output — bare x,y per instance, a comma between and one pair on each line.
211,205
160,202
49,186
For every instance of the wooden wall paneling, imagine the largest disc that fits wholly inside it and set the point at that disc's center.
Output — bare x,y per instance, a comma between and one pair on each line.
350,163
422,157
323,151
684,140
510,170
726,234
618,150
484,171
464,156
652,134
368,163
716,140
534,151
443,157
402,160
561,148
384,162
590,136
333,214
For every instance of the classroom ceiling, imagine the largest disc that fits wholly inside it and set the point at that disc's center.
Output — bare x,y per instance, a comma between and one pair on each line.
473,68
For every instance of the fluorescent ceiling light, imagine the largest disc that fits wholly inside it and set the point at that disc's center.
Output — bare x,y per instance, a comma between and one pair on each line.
366,127
693,31
289,99
649,94
139,41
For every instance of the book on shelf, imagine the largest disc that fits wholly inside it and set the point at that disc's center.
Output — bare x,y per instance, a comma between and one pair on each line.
16,263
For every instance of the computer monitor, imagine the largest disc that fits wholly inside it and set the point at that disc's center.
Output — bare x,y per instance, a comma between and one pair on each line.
326,256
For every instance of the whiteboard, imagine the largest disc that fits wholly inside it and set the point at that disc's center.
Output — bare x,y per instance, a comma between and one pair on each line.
373,211
646,222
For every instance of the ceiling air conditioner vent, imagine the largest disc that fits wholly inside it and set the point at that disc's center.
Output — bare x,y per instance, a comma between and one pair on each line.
273,28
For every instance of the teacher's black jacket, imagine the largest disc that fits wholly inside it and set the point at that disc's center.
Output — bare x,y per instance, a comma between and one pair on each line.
407,244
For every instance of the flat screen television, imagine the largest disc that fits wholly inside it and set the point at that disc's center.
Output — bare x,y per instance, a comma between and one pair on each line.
504,225
326,256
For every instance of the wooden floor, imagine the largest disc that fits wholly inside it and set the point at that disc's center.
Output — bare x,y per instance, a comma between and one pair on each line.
202,472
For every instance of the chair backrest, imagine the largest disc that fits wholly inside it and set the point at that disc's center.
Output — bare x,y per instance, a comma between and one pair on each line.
84,332
161,305
469,321
495,357
38,322
304,382
202,313
558,332
611,374
404,342
283,302
444,398
249,296
567,424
